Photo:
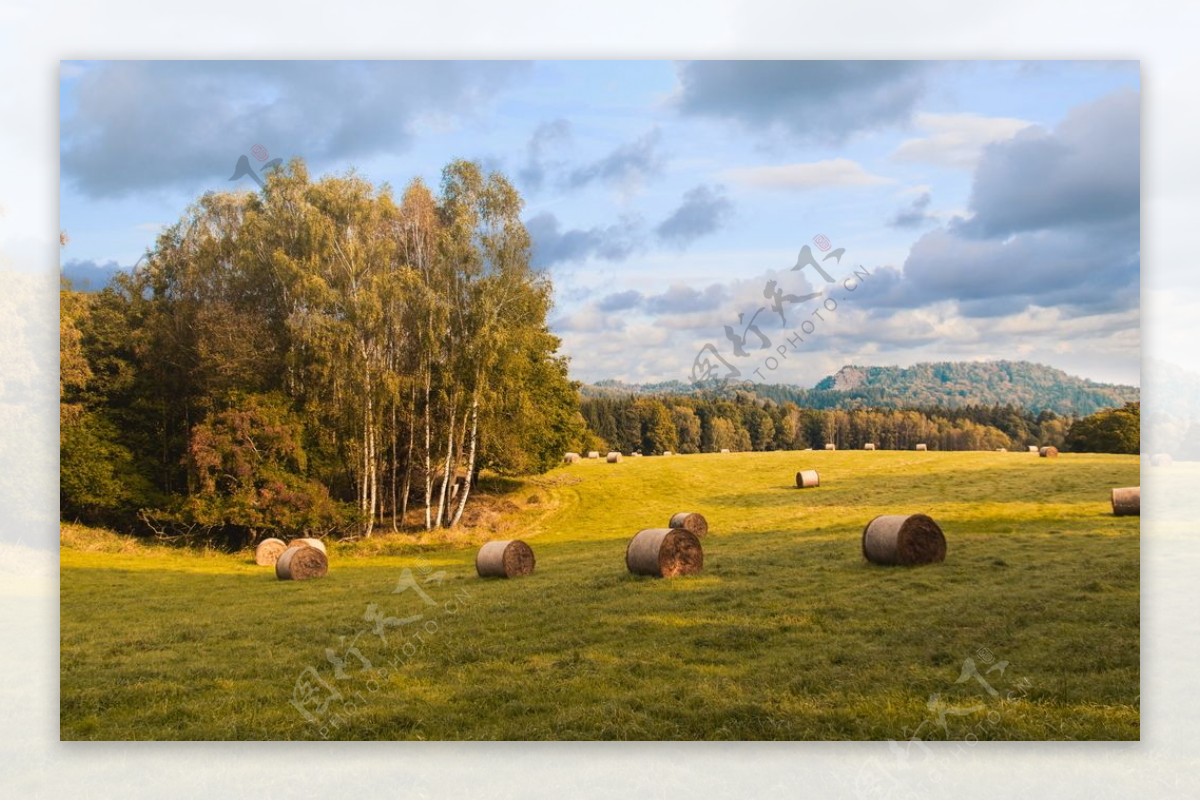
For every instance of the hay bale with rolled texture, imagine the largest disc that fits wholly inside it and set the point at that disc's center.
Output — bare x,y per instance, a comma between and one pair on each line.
664,553
1127,501
571,458
903,540
692,521
311,542
613,457
807,478
300,563
268,551
1048,452
870,446
504,559
593,454
921,446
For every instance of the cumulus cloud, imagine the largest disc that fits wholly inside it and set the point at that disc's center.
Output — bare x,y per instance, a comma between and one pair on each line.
552,244
704,210
147,125
538,162
803,176
956,140
915,214
620,301
813,101
626,165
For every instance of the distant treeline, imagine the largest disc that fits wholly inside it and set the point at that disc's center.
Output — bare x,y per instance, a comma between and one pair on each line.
745,422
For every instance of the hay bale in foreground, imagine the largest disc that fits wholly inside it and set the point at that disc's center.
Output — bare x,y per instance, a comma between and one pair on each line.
829,446
664,553
692,521
1048,452
613,457
1033,448
870,446
921,446
504,559
268,551
301,562
1127,501
571,458
593,454
311,542
807,478
903,540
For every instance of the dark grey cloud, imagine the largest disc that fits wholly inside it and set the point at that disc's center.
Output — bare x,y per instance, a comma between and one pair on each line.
704,210
552,245
629,162
620,301
87,275
816,101
147,125
680,299
1087,170
915,214
538,162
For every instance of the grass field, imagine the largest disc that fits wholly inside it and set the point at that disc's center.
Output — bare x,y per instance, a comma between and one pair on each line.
1028,630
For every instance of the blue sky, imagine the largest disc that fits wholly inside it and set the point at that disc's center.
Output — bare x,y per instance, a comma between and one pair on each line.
995,204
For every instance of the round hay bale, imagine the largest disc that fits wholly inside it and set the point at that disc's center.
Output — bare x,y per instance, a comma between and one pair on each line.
1161,460
301,562
870,446
724,450
267,552
1048,452
692,521
1127,501
807,478
1033,448
613,457
1001,450
664,553
829,446
571,458
921,446
593,454
504,559
666,453
311,542
903,540
635,454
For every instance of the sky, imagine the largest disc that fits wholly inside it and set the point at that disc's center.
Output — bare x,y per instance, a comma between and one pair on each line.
778,219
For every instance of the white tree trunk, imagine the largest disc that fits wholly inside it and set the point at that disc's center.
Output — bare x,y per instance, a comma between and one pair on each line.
466,490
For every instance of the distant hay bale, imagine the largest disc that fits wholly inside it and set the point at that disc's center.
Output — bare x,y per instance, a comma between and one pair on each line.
1161,460
635,454
870,446
807,478
1033,448
311,542
829,446
903,540
1127,501
1048,452
664,553
724,450
268,551
504,559
692,521
571,458
666,453
593,454
301,562
921,446
1001,450
613,457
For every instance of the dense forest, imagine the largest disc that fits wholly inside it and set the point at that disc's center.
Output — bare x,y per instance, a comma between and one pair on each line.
743,421
317,357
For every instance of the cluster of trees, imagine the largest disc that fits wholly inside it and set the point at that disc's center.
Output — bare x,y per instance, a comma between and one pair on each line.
318,357
743,421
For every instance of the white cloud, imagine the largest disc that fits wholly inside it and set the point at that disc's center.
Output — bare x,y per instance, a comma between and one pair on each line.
956,140
808,175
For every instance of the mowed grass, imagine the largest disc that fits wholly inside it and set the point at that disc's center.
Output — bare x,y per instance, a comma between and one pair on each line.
1028,630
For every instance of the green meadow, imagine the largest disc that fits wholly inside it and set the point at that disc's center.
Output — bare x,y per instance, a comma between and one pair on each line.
1027,631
